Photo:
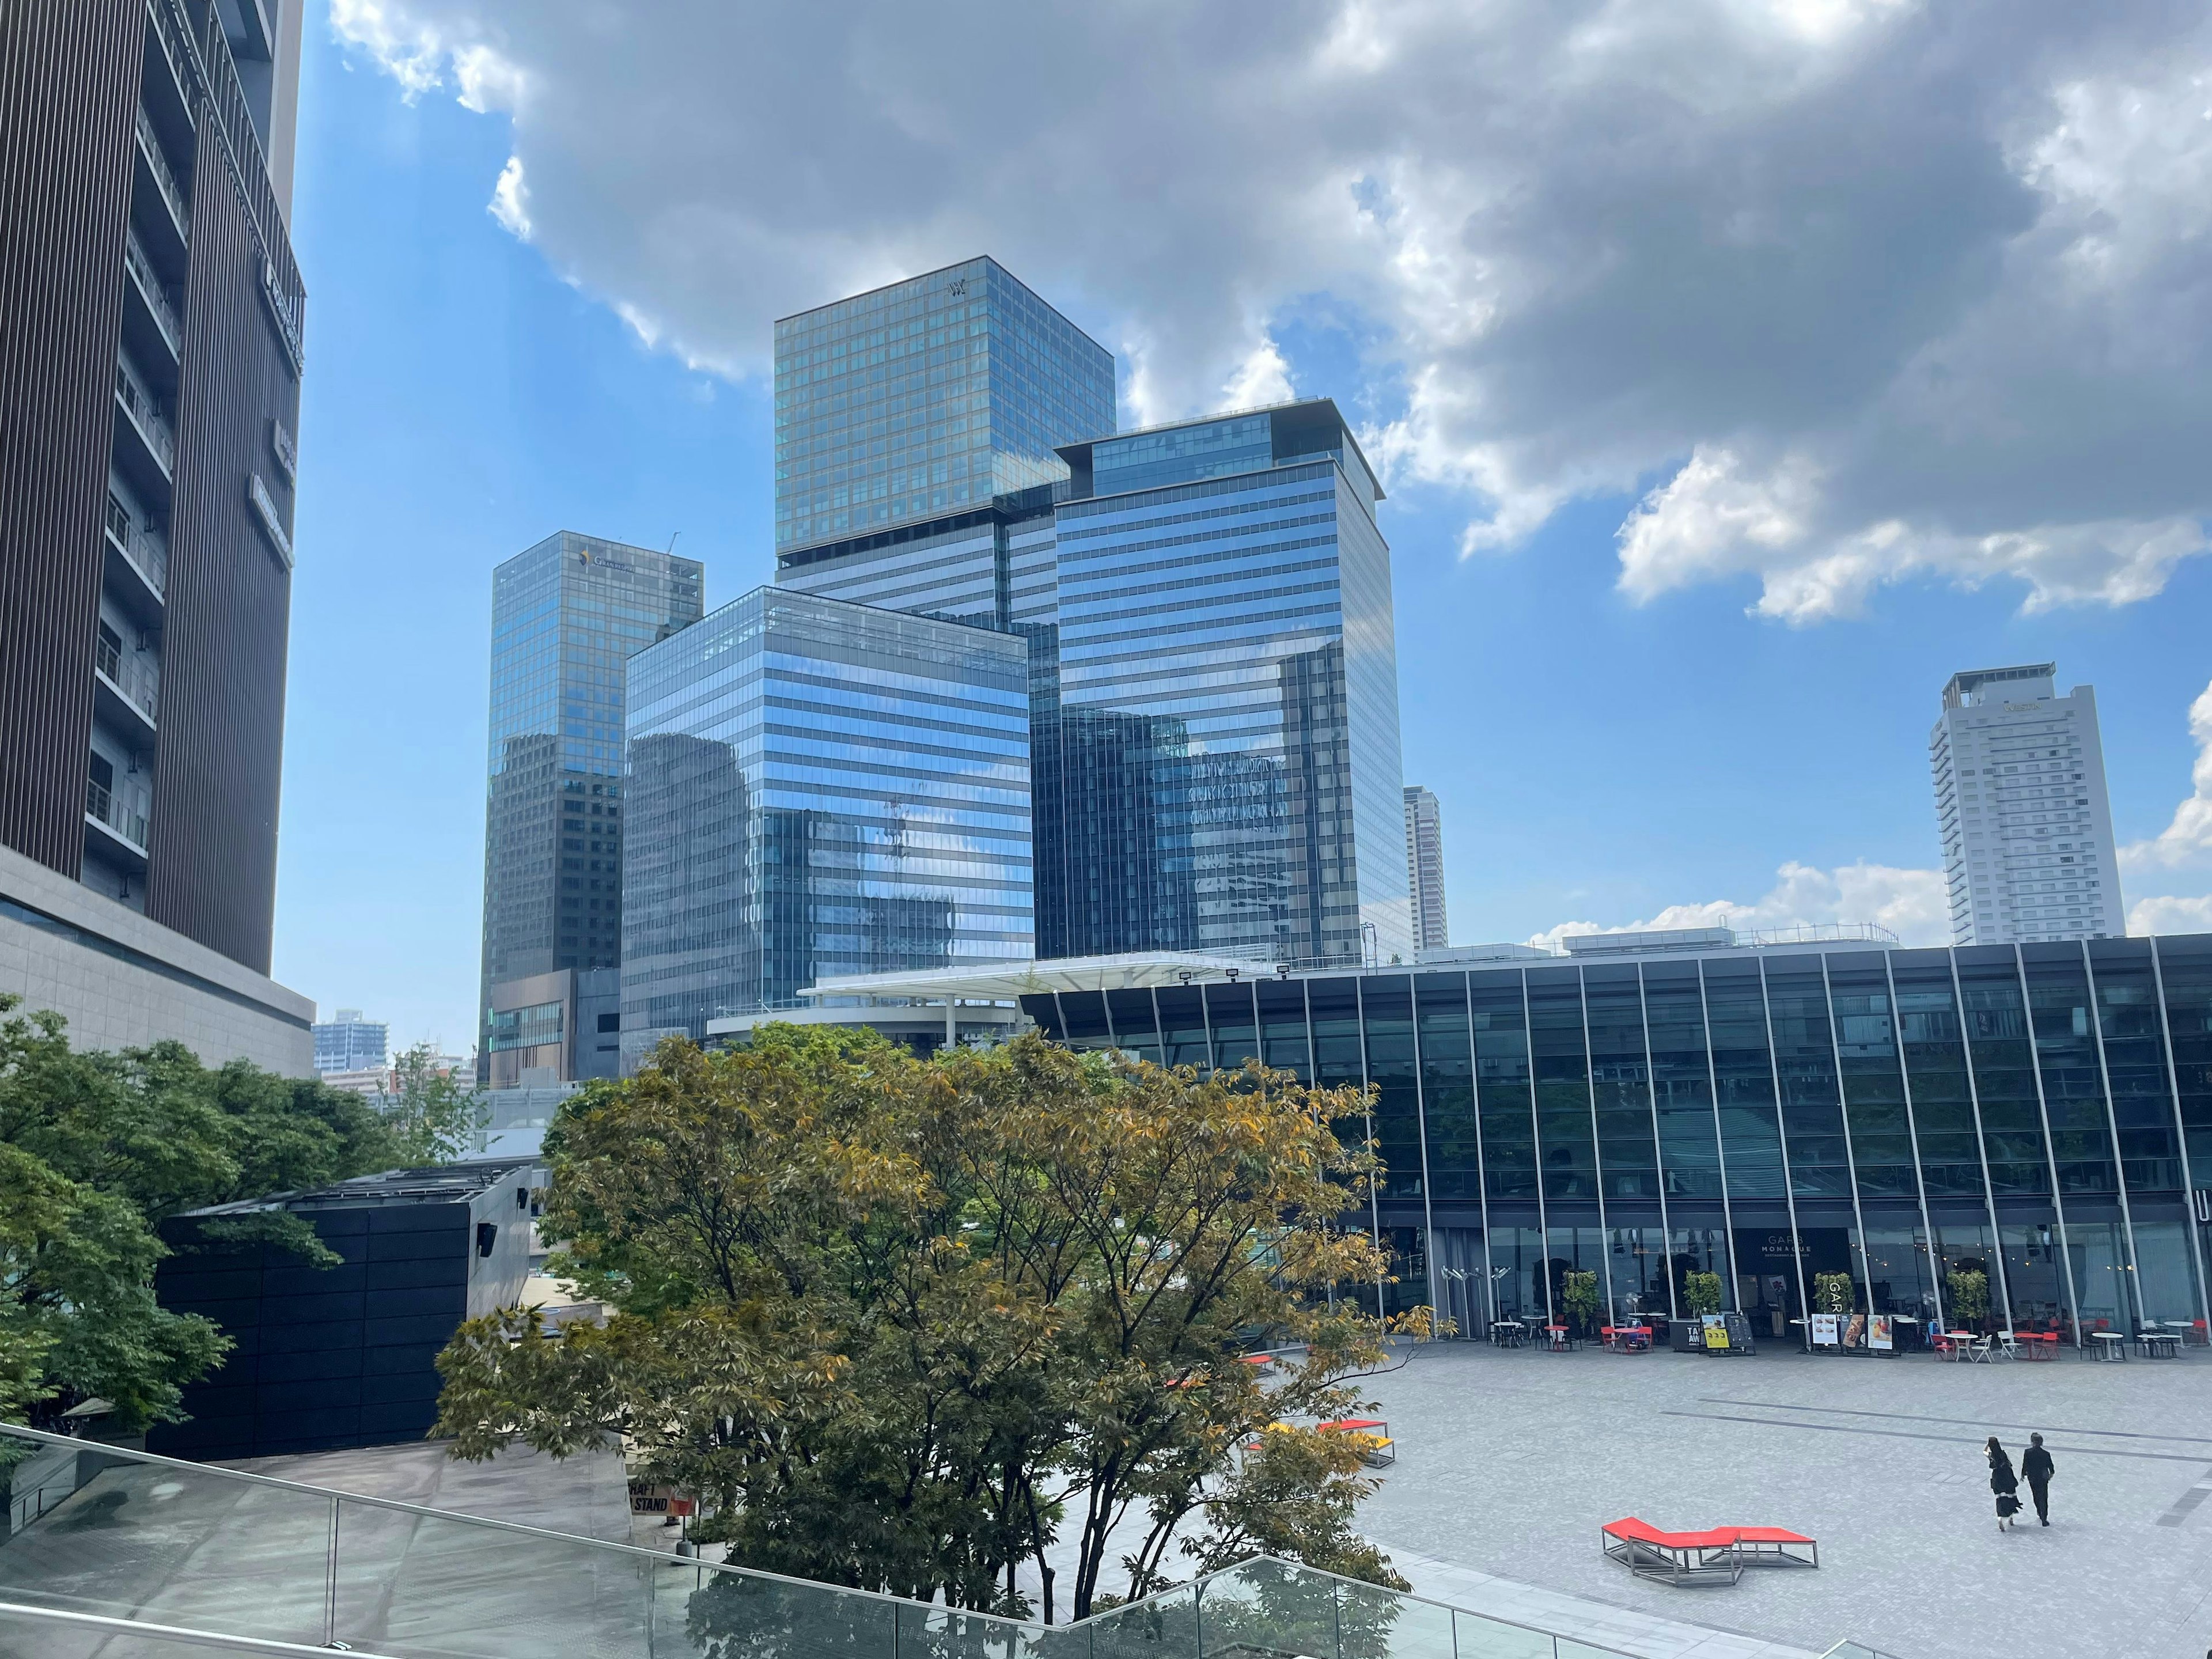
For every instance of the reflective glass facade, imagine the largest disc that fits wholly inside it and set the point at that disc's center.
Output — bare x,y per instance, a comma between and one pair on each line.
816,789
1222,654
924,399
566,615
2039,1114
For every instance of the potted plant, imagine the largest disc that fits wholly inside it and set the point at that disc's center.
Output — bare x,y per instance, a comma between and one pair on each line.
1969,1290
1701,1292
1579,1292
1832,1294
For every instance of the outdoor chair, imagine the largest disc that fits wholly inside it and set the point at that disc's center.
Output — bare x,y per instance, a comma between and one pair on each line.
2007,1345
1721,1552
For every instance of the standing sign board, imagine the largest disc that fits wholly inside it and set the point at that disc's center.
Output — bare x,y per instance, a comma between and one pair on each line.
1879,1336
1824,1332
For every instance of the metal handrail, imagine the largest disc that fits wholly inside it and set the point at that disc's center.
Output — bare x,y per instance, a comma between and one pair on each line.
100,804
171,191
334,1495
141,1631
136,261
146,415
140,685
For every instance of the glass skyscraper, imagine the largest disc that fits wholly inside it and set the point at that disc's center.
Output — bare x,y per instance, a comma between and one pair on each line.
566,616
1227,688
924,399
1652,1105
818,789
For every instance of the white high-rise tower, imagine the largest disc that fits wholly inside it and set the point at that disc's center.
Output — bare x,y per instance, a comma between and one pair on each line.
1424,863
2021,799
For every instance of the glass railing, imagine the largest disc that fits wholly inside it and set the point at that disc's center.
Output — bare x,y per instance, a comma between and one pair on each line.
44,1633
109,1533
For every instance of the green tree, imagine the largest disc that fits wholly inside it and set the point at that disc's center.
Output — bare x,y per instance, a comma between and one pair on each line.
432,1114
899,1322
1701,1292
1969,1292
96,1150
1832,1292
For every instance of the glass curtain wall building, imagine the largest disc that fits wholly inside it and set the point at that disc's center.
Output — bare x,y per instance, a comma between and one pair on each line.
1225,672
924,399
819,789
2039,1113
566,616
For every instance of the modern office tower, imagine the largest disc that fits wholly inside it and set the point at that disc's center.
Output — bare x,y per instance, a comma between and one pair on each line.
561,1027
1642,1107
923,402
566,616
150,317
350,1043
818,788
2026,820
1425,868
1227,691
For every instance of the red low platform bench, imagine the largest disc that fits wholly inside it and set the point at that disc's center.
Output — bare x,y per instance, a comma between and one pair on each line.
1688,1558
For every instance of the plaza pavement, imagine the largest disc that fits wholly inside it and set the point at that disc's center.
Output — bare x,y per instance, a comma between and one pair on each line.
1510,1461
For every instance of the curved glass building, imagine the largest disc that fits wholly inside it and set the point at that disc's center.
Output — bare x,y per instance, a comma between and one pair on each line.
1647,1106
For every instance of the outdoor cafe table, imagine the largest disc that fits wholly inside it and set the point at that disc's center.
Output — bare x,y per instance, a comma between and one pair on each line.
2110,1345
1962,1344
1505,1331
2160,1344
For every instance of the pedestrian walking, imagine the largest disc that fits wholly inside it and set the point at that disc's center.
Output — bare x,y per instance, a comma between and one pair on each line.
2004,1483
2035,1465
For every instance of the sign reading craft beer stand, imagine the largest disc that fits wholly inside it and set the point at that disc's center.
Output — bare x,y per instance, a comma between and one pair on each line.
647,1499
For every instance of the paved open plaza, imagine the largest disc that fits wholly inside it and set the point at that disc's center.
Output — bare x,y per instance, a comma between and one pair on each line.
1510,1461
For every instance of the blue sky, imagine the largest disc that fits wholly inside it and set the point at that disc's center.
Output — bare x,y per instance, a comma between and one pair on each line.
1599,759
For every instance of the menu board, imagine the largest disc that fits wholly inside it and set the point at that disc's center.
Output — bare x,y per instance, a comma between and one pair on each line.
1824,1332
1716,1336
1878,1334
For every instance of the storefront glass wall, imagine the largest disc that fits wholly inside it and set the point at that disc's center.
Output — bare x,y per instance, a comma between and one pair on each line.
1904,1112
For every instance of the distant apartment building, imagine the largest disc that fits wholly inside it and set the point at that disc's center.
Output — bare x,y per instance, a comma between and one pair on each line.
567,616
1214,729
150,327
818,789
349,1043
1425,868
2020,802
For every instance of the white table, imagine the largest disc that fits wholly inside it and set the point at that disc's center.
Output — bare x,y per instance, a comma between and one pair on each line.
2110,1345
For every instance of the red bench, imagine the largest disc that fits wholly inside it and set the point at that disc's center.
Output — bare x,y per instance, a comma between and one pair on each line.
1681,1558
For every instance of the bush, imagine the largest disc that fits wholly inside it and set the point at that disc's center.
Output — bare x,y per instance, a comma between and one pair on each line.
1832,1294
1702,1292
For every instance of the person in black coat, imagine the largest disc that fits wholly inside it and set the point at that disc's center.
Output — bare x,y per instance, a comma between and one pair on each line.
2004,1483
2035,1464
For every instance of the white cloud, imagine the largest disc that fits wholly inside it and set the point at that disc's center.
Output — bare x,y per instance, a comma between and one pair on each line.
2186,842
1909,903
2184,846
1872,291
510,198
2171,916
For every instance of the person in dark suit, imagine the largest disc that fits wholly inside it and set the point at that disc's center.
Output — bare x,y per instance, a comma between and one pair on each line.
2036,1466
2004,1483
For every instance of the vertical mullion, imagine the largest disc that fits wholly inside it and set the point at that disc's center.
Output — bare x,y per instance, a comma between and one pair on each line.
1912,1130
1658,1155
1981,1135
1720,1148
2050,1151
1481,1167
2189,1222
1782,1133
1843,1112
1597,1150
2112,1129
1421,1128
1536,1138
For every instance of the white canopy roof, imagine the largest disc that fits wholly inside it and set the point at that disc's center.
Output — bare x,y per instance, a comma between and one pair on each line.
992,982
